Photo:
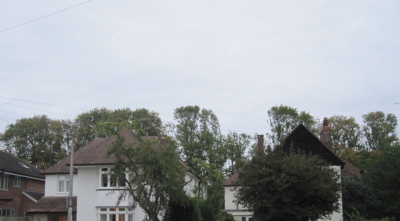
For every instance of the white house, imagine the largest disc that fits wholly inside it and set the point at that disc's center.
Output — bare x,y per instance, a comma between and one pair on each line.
300,138
95,193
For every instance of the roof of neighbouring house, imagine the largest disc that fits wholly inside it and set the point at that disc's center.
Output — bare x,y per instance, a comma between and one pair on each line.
95,153
302,139
33,195
11,164
53,204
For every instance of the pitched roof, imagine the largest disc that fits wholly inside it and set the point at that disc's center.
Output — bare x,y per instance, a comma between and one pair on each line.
11,164
95,153
33,195
53,204
303,139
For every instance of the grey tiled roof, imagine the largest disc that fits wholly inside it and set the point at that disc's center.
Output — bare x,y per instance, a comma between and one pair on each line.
10,163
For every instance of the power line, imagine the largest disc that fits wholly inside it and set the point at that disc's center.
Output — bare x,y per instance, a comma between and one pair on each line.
45,16
36,109
35,102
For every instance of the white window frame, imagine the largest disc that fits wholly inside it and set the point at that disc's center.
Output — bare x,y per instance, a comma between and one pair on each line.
63,184
115,214
17,181
108,180
3,182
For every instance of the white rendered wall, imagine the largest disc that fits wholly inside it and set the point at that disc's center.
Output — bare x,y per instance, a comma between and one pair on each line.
51,185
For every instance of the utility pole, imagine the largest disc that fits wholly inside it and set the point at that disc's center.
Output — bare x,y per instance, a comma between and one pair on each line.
71,173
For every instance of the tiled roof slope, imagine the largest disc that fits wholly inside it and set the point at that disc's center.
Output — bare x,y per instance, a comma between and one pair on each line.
11,164
53,204
95,153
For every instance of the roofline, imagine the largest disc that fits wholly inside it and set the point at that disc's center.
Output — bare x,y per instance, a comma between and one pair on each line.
30,197
25,176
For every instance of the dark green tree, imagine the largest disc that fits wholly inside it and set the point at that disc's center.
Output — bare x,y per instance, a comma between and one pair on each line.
382,176
156,174
38,140
281,186
379,129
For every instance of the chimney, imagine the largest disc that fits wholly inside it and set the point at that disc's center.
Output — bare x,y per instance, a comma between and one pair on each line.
260,145
326,134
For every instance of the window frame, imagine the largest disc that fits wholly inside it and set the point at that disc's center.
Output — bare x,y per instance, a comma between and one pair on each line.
108,213
63,184
108,180
17,181
4,182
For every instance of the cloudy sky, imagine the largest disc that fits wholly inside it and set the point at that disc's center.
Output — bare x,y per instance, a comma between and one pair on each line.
236,57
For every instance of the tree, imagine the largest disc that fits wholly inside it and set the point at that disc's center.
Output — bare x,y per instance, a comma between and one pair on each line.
284,119
346,137
236,146
38,140
379,129
156,174
288,186
103,123
382,176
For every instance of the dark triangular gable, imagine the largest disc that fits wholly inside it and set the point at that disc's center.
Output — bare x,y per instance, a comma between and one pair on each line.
303,139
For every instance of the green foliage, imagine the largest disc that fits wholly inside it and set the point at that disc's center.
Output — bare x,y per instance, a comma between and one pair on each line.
157,174
103,123
229,217
188,210
294,186
379,129
283,119
236,146
357,217
382,176
38,140
346,133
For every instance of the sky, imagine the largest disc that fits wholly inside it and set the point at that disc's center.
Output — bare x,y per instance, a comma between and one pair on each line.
237,58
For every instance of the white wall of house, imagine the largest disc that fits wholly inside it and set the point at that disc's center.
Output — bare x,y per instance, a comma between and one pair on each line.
52,185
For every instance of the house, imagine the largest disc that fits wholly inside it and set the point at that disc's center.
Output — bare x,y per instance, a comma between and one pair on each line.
21,185
95,193
301,139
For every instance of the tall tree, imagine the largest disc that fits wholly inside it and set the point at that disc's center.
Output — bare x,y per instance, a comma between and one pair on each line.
103,122
236,145
280,186
157,175
38,140
346,133
283,119
379,129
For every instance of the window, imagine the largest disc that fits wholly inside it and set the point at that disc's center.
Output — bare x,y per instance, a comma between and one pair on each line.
17,181
3,182
108,179
7,212
63,184
115,214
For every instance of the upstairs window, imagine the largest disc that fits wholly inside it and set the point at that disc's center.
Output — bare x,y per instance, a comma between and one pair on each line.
108,179
63,184
3,182
115,214
17,181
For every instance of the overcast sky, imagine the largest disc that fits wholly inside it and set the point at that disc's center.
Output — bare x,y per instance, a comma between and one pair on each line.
236,57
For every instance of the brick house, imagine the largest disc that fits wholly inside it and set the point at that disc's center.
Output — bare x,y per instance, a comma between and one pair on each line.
21,185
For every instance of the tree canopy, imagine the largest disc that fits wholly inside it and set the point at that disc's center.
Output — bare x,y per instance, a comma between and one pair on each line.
283,186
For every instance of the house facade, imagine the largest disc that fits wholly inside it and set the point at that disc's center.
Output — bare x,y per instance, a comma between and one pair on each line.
96,192
300,139
21,186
